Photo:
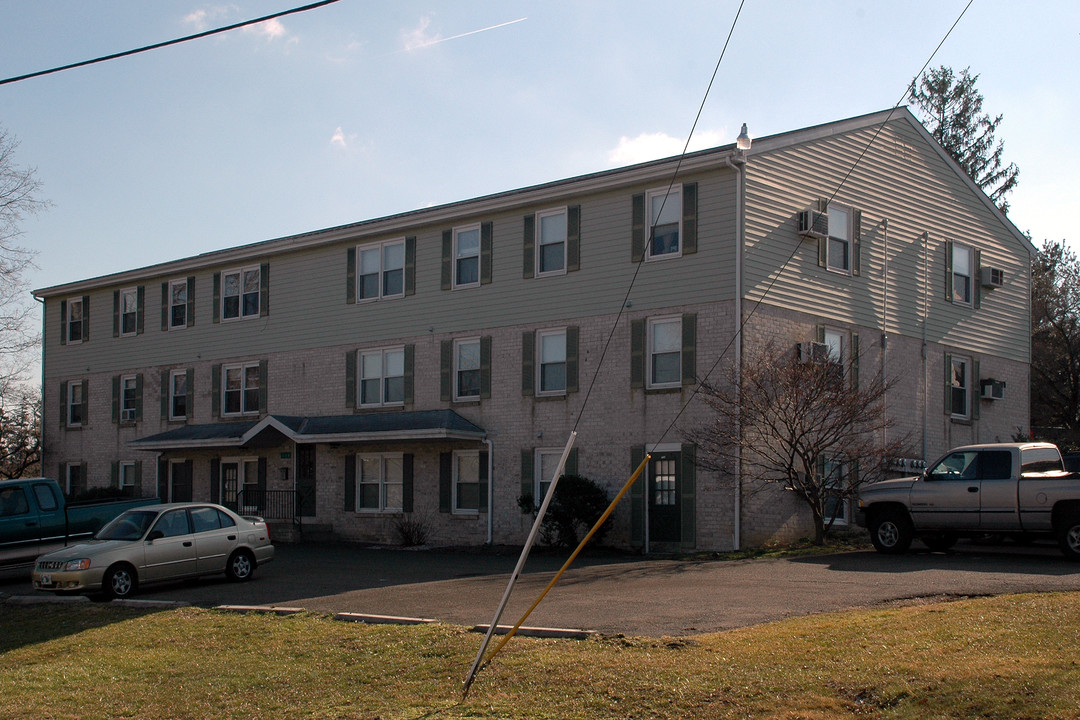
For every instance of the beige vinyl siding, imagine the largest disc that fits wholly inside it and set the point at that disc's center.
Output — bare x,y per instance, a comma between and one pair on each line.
902,179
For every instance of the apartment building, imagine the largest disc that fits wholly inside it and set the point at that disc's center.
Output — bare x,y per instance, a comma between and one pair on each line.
430,366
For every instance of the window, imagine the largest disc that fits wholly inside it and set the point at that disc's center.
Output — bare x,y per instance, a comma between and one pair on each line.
665,352
961,274
240,293
381,270
178,394
129,397
127,478
241,389
382,377
836,506
552,366
74,479
129,312
178,302
960,385
546,463
76,402
665,222
75,322
467,485
551,242
834,339
467,256
467,369
839,249
379,483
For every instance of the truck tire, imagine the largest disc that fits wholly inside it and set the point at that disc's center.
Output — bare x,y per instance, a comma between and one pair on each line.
1069,537
891,532
939,542
120,581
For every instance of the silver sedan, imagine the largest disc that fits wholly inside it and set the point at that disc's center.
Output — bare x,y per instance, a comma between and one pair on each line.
156,543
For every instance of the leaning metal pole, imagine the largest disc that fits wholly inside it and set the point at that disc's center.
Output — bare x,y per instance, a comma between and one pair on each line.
521,560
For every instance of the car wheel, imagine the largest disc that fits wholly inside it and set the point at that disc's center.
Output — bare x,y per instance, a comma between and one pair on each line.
940,542
240,567
120,581
891,532
1069,537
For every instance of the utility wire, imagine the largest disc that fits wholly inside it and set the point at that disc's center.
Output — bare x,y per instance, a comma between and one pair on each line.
167,43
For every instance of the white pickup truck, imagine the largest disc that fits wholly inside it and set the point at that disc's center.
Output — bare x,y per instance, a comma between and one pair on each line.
1019,490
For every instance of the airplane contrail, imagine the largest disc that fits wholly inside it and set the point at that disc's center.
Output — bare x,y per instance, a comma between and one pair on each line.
471,32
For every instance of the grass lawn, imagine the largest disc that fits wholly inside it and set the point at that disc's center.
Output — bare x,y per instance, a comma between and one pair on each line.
1007,657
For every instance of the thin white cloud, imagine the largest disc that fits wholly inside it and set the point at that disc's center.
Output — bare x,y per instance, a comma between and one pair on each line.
270,29
338,139
204,18
419,37
652,146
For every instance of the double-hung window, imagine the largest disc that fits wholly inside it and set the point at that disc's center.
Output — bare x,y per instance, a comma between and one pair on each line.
960,387
75,322
664,209
551,368
129,311
240,391
75,480
839,243
127,477
381,270
547,460
178,395
379,483
178,302
467,484
467,256
382,377
129,396
76,404
665,352
835,505
240,291
962,264
551,242
467,369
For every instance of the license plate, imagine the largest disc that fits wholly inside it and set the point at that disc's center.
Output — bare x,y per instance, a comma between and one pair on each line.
46,579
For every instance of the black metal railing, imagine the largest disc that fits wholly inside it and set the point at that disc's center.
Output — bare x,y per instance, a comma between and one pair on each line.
279,505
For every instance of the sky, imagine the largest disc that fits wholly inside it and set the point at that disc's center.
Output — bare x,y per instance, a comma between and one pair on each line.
363,109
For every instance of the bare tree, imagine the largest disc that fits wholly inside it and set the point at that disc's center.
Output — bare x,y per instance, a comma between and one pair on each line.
807,426
1055,344
20,434
19,198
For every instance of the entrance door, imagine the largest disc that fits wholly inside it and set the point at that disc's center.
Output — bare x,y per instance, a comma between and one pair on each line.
230,479
305,480
664,501
180,485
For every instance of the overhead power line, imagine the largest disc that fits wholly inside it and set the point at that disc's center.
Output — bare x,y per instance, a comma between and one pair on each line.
167,43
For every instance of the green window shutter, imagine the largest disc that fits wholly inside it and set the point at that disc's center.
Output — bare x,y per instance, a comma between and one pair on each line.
572,359
689,348
637,499
689,219
63,404
140,305
263,390
138,478
264,289
116,398
191,301
407,483
86,321
854,363
349,496
528,362
976,280
215,480
637,353
528,257
948,384
410,366
637,231
486,236
261,477
138,396
190,394
86,403
484,481
573,238
823,243
446,369
215,390
687,493
165,377
446,478
164,306
975,391
571,466
485,366
819,333
447,259
528,469
63,322
410,265
350,379
217,298
856,242
114,474
350,276
163,479
948,271
116,313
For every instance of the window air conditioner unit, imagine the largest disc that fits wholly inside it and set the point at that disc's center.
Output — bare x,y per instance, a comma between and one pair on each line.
993,389
992,277
127,415
812,352
813,224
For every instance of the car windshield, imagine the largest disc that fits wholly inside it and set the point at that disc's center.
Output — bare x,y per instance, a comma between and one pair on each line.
130,525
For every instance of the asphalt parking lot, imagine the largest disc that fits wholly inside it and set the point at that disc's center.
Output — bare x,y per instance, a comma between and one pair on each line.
615,593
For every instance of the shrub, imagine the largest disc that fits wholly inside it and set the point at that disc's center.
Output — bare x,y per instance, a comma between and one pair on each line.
578,504
411,531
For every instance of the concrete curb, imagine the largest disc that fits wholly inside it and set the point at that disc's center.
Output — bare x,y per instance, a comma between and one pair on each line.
382,619
540,632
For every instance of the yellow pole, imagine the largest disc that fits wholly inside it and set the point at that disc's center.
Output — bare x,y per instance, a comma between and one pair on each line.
577,551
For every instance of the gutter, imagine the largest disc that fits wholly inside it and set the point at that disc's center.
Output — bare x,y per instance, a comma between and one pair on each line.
491,490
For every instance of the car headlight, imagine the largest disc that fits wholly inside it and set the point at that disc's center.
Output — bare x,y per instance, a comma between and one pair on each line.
80,564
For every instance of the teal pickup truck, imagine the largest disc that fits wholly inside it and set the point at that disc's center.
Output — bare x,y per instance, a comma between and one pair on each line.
35,518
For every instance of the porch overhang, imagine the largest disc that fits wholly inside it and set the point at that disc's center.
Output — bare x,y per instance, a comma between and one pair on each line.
270,431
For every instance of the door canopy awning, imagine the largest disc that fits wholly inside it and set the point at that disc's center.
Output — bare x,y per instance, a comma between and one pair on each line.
272,430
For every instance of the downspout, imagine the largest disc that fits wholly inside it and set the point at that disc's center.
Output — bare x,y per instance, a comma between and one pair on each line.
739,166
885,335
41,462
925,318
491,490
